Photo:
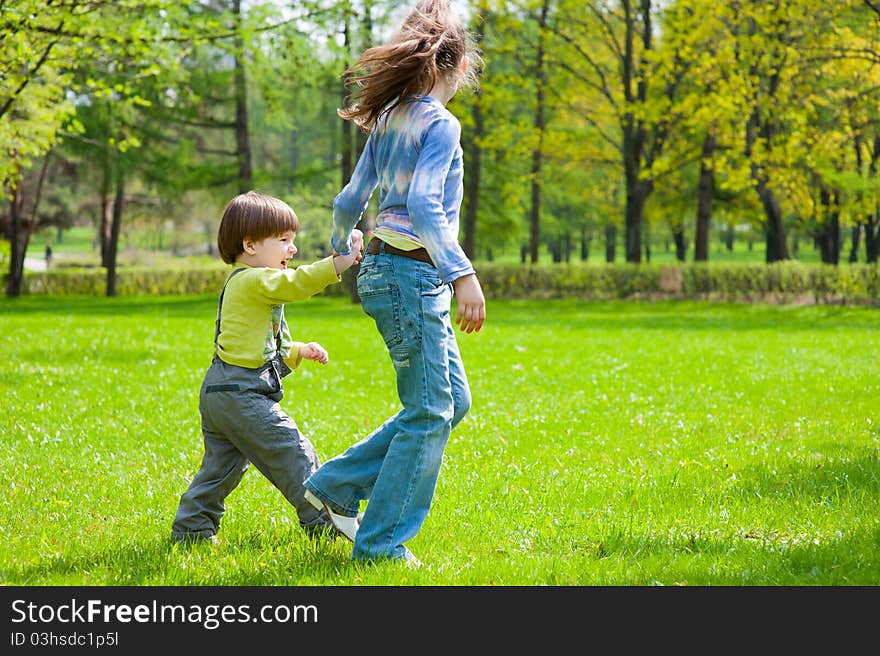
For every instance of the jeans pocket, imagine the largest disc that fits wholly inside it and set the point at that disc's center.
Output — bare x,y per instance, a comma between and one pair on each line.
382,303
374,277
435,295
384,309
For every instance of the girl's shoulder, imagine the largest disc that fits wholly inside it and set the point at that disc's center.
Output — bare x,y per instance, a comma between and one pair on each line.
433,114
421,107
430,105
419,117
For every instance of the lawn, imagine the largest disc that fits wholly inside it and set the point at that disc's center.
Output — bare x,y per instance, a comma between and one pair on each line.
609,444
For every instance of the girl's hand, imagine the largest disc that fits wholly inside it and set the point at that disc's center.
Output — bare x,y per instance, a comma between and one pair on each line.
471,303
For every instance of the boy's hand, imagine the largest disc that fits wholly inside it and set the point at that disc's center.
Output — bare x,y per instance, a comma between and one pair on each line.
313,351
357,241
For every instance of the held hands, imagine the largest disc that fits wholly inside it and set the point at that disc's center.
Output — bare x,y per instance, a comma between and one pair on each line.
471,303
343,262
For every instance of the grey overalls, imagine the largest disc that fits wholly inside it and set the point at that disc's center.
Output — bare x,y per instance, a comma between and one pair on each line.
243,423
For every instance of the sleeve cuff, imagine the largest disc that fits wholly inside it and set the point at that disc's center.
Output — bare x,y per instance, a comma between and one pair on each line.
293,356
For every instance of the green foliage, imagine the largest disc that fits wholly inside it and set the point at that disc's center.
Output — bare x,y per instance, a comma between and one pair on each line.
790,91
55,53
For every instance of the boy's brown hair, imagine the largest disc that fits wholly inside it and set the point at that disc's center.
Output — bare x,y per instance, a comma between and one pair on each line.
255,216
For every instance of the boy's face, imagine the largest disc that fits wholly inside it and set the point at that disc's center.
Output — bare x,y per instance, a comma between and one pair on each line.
273,252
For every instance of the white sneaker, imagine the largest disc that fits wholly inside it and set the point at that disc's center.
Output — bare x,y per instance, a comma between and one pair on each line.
346,526
411,561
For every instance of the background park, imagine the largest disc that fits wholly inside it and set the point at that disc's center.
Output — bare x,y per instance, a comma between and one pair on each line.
675,210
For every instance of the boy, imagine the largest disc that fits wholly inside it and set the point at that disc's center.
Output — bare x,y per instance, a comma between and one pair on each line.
239,401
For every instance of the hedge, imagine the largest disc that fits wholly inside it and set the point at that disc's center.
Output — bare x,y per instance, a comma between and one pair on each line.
781,282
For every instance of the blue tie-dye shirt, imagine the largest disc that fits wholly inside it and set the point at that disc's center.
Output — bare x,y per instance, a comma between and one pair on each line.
414,158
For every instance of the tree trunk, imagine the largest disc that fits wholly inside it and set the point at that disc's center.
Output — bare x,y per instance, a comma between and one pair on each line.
704,200
728,238
106,209
872,244
348,155
346,165
585,245
777,248
113,245
367,36
761,127
473,168
540,121
872,241
636,195
610,243
828,234
635,133
20,230
872,225
19,236
855,240
242,138
472,187
678,238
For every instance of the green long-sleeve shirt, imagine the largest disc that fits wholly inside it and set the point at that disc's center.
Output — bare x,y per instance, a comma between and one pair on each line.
252,313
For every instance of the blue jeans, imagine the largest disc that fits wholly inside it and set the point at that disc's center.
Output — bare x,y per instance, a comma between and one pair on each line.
396,467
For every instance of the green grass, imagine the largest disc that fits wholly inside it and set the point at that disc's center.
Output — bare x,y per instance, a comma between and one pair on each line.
609,444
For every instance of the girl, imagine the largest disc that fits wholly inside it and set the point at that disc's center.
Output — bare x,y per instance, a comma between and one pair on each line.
410,270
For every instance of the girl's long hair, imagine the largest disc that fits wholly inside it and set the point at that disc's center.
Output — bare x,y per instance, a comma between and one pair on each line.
431,43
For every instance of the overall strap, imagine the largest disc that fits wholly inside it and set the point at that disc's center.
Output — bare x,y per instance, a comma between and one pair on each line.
220,303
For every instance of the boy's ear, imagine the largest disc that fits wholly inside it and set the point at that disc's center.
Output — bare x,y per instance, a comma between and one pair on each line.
247,245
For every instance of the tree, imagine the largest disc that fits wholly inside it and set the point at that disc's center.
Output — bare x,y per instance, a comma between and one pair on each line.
613,51
540,126
46,45
473,141
497,131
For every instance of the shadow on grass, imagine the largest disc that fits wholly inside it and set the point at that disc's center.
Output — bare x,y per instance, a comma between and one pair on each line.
238,561
767,554
744,560
826,482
